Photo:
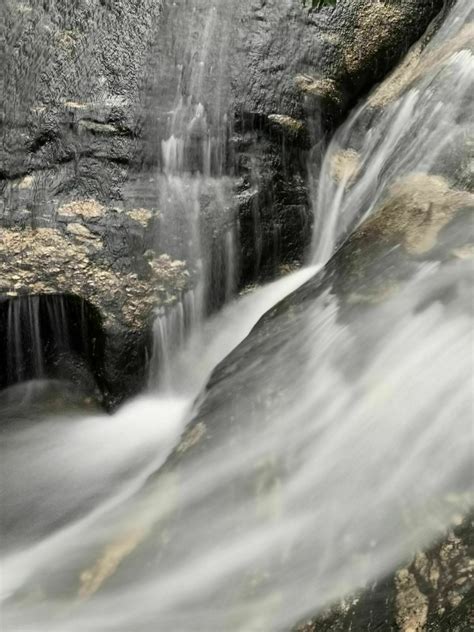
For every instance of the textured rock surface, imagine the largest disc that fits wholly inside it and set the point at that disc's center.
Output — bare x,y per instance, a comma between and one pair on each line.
304,70
74,74
102,255
71,118
104,258
90,89
75,127
434,593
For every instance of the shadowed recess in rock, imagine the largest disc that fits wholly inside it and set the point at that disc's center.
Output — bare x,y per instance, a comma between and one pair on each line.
51,336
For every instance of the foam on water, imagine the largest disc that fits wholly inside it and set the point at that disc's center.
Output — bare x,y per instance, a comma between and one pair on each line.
319,491
86,466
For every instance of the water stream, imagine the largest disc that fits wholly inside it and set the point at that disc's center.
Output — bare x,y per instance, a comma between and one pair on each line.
197,219
336,442
388,138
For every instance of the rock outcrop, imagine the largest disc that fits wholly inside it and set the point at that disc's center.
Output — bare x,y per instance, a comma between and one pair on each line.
299,72
433,592
105,257
71,119
90,90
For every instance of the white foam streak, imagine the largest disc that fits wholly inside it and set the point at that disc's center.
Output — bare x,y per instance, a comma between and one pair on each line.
409,135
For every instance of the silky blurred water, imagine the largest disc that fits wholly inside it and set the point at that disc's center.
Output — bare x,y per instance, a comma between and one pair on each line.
388,138
331,446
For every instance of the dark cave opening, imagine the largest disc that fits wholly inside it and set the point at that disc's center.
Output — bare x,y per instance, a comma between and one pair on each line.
51,336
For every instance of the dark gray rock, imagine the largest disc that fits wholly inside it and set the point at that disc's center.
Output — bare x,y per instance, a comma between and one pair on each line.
308,68
90,93
102,256
90,87
433,592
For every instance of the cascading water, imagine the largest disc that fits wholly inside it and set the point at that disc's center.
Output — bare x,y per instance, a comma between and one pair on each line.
23,317
388,138
48,336
329,446
197,219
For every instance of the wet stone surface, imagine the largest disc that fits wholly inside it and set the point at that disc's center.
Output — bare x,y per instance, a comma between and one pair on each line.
86,110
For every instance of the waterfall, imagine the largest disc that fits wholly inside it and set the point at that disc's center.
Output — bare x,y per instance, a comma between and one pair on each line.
197,217
48,336
23,320
331,444
409,125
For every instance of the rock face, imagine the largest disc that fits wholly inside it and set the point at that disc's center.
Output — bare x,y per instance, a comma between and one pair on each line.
90,90
74,76
298,74
103,256
70,123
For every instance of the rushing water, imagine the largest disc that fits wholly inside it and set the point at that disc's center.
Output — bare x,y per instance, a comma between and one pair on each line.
336,441
416,133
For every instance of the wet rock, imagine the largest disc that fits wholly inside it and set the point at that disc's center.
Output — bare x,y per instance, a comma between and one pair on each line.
106,268
79,230
288,126
84,108
86,209
410,225
345,166
307,69
433,592
414,65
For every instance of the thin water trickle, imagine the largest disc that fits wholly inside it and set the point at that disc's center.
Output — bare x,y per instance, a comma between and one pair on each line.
44,335
197,218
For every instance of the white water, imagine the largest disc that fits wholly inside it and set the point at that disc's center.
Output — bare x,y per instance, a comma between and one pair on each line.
344,445
73,462
332,487
414,134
